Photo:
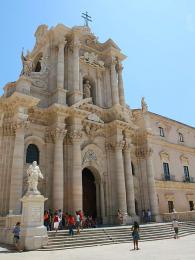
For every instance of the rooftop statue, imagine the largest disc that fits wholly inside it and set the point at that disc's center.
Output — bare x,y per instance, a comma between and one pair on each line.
27,64
144,105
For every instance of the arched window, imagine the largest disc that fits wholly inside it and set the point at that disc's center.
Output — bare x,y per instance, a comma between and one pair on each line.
133,169
181,137
32,153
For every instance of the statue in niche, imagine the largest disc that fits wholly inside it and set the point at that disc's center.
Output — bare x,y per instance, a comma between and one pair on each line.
33,173
44,67
87,89
27,64
144,105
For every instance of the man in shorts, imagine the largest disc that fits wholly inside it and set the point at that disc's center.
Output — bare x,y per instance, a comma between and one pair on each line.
175,225
16,239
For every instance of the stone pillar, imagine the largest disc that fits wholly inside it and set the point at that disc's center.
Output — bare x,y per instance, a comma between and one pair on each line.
129,180
17,169
151,186
76,65
58,169
120,85
102,200
97,186
115,94
76,187
60,65
120,178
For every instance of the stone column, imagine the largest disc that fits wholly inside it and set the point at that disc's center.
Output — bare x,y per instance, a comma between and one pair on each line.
120,178
151,186
120,84
76,64
102,200
58,169
60,65
129,180
115,94
17,171
76,187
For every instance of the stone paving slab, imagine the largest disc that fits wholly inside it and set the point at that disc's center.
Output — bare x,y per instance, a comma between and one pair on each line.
181,249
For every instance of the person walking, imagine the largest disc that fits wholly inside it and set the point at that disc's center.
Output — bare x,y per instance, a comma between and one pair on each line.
120,217
135,235
149,216
78,221
16,238
175,225
71,223
56,221
46,219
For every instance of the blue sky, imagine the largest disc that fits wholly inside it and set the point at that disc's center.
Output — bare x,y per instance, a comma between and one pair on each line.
158,38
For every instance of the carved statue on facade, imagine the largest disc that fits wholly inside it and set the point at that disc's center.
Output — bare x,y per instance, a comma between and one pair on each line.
144,105
33,173
44,65
87,89
27,64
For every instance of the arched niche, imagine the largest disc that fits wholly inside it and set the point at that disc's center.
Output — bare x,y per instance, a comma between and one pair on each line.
91,82
37,63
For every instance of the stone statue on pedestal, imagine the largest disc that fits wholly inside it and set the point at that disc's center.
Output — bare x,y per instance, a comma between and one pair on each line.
86,89
34,174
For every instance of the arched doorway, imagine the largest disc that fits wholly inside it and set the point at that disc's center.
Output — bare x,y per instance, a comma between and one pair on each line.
89,193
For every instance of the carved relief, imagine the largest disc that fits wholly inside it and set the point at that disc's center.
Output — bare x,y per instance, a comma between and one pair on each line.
75,135
92,59
89,156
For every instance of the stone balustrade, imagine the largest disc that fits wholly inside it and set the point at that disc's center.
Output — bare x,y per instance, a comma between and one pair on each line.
180,216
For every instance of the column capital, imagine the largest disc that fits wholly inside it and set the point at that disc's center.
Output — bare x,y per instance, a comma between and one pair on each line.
127,145
62,42
116,145
58,134
75,136
119,67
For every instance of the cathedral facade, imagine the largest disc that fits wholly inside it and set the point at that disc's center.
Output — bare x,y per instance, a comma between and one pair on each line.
67,111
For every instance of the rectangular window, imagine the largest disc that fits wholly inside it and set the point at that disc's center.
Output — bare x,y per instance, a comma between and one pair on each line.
166,171
191,203
161,130
170,206
186,173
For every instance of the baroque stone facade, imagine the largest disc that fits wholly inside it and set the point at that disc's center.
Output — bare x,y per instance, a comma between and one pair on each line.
67,111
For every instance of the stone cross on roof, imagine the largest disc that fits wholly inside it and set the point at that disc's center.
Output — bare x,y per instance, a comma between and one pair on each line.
87,18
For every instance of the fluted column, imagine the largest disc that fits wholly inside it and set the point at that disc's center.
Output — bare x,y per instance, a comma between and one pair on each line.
58,168
60,65
115,94
120,84
76,187
17,169
120,178
151,185
129,180
102,199
76,65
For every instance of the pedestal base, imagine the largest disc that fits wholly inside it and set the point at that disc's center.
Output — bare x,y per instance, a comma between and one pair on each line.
157,218
33,237
33,232
59,97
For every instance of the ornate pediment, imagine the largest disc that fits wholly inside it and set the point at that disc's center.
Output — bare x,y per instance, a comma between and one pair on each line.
164,156
184,159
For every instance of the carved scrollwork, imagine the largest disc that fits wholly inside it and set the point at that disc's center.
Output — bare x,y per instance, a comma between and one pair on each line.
75,135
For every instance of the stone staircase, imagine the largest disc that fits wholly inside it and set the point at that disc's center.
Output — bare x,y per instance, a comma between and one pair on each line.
114,235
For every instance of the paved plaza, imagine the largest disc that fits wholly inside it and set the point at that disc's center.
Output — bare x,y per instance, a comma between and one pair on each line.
169,249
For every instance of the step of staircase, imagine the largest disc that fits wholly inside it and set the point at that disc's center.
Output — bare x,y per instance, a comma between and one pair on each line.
114,235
